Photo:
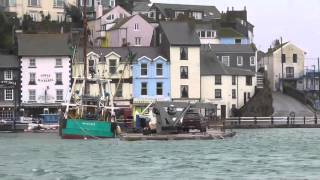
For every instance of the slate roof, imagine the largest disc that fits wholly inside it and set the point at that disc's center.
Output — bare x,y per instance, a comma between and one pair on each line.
210,12
180,33
150,52
43,45
229,32
120,22
140,7
232,48
272,50
9,61
210,65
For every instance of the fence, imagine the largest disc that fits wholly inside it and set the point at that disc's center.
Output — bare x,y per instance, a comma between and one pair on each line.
272,122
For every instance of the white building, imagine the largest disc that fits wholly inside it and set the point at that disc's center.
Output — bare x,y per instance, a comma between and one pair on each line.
182,46
227,87
45,72
293,64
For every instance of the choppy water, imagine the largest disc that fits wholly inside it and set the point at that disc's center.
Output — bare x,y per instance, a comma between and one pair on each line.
252,154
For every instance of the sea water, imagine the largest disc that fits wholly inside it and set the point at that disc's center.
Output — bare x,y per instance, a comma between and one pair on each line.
251,154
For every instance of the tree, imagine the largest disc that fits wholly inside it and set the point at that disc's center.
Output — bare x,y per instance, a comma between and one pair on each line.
75,14
28,25
6,29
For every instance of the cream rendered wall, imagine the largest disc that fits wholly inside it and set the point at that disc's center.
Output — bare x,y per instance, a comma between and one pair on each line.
46,6
289,50
208,91
209,41
102,69
193,64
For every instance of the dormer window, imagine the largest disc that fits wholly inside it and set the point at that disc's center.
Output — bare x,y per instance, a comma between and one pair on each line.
197,15
112,66
8,75
177,13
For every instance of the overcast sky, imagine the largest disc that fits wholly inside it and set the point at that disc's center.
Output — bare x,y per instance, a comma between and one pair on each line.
297,21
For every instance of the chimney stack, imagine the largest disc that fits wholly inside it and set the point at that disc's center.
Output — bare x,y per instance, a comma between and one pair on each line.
245,8
232,8
227,8
99,11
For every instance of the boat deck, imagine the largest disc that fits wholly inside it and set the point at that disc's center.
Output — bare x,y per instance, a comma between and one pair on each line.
210,135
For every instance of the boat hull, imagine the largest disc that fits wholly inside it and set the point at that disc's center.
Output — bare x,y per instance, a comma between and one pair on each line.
87,129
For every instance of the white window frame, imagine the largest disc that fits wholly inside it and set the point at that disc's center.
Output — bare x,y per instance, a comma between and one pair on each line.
143,75
8,75
32,63
115,66
254,60
161,87
159,75
12,3
177,13
5,95
57,5
138,41
197,15
58,64
227,58
136,27
240,60
59,97
145,88
30,3
35,95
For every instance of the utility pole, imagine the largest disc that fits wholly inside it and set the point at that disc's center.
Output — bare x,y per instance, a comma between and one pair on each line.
318,78
282,59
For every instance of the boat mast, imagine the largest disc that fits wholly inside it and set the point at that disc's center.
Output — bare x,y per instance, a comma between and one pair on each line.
85,38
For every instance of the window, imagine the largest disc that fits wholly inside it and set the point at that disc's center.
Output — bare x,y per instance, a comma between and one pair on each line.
136,26
184,91
184,72
32,63
248,80
8,75
59,95
159,69
234,94
225,60
32,80
58,62
144,89
32,95
217,80
112,66
197,15
12,3
217,94
233,80
119,90
295,58
237,41
112,3
59,79
283,58
110,17
183,53
159,88
240,60
33,2
202,34
89,4
252,61
290,72
177,13
209,34
124,41
33,15
138,41
58,3
8,94
144,69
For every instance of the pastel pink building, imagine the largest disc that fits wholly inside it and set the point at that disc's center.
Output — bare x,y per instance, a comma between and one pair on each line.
131,31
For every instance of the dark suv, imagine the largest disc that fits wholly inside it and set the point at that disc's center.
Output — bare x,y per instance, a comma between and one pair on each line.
193,120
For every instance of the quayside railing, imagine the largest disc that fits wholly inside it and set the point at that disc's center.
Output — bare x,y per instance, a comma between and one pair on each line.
271,122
